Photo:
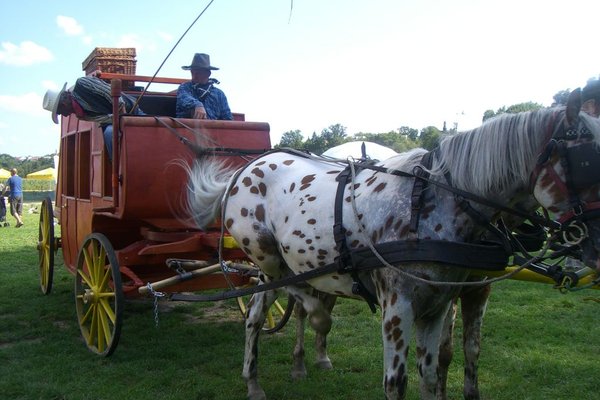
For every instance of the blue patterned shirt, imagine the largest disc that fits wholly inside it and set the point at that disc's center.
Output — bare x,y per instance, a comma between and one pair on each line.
215,102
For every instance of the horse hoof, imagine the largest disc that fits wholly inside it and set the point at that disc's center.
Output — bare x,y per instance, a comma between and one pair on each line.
325,364
298,374
257,395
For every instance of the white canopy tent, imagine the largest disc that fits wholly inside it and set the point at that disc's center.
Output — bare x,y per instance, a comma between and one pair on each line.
374,151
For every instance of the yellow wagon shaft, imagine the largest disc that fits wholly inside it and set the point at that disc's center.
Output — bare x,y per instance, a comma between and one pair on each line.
586,276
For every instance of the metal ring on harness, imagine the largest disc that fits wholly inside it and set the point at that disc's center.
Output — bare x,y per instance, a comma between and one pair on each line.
574,233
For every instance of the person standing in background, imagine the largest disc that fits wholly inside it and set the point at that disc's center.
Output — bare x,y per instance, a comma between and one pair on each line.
15,185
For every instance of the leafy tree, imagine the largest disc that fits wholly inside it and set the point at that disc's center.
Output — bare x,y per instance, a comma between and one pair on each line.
514,109
430,137
316,144
293,139
334,135
560,98
487,115
399,141
329,137
522,107
27,165
410,133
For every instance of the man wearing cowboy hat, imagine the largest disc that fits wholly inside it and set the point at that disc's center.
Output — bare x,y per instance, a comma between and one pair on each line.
199,98
90,100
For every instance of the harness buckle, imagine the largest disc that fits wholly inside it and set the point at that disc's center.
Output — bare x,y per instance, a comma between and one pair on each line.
574,233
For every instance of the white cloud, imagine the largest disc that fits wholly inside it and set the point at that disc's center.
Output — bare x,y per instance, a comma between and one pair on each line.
167,37
25,54
69,25
51,85
28,103
130,40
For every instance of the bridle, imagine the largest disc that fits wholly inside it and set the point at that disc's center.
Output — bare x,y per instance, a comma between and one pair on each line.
579,157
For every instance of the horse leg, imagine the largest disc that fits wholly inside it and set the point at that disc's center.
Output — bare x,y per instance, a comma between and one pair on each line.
428,334
323,361
255,318
309,304
473,303
299,368
396,328
446,350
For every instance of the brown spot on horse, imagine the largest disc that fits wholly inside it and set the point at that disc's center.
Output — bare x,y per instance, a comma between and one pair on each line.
258,172
260,213
262,188
379,187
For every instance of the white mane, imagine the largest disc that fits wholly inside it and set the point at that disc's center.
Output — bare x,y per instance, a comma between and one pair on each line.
497,156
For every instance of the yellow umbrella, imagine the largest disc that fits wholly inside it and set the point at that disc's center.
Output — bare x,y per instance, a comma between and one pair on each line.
4,174
48,174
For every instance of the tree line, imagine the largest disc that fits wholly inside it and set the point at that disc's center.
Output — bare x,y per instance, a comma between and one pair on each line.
400,140
27,165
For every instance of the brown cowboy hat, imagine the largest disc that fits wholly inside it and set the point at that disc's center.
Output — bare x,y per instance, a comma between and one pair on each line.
200,61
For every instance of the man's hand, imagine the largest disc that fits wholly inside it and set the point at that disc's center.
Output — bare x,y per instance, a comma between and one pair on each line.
200,113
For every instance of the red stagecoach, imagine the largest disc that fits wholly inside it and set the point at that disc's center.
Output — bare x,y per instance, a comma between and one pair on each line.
122,220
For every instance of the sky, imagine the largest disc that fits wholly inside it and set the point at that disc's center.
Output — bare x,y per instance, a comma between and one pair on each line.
369,65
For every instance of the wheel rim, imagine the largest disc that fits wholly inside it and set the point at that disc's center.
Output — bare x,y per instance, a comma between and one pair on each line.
278,314
46,246
98,295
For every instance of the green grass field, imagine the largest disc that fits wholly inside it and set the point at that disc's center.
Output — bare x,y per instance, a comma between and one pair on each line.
537,344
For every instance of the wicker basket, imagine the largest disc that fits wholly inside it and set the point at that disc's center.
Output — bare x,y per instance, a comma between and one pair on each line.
113,60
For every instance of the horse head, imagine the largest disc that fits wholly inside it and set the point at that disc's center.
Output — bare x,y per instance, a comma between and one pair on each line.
567,179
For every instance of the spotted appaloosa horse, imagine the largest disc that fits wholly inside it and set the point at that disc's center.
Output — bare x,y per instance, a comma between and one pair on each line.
280,209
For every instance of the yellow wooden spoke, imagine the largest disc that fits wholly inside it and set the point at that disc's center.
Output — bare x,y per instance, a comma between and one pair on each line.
86,259
100,257
93,326
108,311
270,320
85,278
277,307
104,332
104,280
88,313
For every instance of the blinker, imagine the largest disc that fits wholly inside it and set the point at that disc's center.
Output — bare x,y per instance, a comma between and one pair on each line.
584,163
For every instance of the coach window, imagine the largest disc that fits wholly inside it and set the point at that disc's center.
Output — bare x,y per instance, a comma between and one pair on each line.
84,165
68,154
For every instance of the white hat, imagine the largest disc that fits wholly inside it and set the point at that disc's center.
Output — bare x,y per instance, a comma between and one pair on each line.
51,101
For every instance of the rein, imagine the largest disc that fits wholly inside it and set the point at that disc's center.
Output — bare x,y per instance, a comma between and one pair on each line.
466,195
420,174
340,265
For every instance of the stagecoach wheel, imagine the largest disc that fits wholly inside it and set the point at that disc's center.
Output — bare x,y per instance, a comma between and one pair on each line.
46,246
277,316
99,295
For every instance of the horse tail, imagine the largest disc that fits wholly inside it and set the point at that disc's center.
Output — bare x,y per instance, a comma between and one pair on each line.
208,181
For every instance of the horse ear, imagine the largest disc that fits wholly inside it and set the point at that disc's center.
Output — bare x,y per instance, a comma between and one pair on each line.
573,105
